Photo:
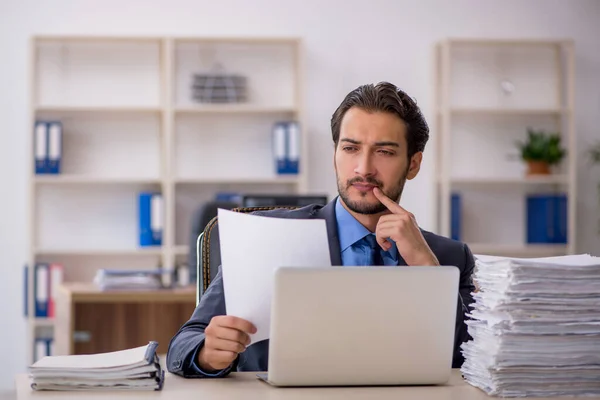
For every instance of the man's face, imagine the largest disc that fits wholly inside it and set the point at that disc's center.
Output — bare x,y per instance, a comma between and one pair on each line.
372,152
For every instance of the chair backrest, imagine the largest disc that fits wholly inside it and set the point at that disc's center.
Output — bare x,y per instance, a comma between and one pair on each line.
208,254
202,216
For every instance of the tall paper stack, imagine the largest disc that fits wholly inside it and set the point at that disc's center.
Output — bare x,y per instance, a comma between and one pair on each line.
535,327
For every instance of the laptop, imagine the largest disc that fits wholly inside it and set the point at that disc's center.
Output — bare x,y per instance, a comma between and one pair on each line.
362,326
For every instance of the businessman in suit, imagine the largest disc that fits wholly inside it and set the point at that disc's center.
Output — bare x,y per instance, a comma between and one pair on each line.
379,134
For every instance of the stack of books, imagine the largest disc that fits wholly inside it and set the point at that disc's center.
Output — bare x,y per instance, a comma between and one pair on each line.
535,327
132,369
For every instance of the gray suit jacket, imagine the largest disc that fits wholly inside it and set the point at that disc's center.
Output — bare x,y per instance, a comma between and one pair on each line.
188,340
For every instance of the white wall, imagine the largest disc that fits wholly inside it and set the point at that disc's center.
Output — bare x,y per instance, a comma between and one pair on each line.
348,43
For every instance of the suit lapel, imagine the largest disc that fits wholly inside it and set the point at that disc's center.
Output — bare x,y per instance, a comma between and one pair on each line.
328,214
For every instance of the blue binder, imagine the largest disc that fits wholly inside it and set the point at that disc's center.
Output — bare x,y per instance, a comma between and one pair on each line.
150,219
455,216
50,347
547,218
54,146
40,147
560,219
41,284
26,290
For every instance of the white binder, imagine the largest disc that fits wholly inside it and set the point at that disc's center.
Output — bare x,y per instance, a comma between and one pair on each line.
293,132
156,218
41,147
54,147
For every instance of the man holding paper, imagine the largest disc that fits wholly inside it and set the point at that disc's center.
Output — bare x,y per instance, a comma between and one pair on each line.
379,135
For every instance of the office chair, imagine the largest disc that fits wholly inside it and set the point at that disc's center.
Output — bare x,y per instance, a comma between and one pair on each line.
202,216
208,254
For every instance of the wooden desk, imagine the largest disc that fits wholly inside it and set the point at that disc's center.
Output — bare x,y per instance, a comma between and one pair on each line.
117,320
245,385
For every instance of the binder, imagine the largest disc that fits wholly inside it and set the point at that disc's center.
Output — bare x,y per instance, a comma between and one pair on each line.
560,220
41,147
156,218
455,216
150,208
26,290
40,349
293,147
41,288
279,147
56,279
54,147
51,351
547,218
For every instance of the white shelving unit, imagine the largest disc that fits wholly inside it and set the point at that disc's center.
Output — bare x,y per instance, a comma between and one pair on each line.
478,125
130,124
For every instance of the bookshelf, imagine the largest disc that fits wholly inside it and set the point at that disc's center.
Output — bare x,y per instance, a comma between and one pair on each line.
130,125
488,92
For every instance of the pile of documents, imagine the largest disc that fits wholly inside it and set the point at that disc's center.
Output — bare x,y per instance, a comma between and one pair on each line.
110,279
535,327
132,369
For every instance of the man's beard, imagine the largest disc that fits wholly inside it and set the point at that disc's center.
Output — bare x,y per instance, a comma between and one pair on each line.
361,207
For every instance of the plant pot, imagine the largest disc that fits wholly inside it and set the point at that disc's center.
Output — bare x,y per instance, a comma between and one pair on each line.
538,168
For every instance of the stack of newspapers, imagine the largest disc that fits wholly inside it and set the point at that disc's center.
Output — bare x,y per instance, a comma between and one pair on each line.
132,369
535,327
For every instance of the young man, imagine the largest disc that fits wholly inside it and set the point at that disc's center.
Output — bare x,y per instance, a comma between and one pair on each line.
379,135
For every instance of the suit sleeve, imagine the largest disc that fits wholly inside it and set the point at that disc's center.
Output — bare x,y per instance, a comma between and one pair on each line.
187,342
465,301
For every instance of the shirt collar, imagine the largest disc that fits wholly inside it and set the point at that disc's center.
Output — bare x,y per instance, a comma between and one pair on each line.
350,230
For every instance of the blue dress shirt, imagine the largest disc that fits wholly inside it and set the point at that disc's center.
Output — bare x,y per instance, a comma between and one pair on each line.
354,242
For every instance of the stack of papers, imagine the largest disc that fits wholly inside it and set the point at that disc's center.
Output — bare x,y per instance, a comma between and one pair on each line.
109,279
132,369
535,327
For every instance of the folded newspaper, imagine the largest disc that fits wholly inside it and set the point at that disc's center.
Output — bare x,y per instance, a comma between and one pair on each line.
535,327
132,369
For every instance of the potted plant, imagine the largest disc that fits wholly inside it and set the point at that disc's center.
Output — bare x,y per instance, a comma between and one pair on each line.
541,150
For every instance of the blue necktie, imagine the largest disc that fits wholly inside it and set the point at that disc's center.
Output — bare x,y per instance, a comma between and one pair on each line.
376,256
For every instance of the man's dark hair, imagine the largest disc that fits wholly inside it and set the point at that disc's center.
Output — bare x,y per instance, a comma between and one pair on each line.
385,97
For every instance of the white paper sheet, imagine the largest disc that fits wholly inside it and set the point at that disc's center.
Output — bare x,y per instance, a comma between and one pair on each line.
252,247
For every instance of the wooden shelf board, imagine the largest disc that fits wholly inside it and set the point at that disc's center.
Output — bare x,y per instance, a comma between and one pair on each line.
506,111
97,109
91,293
239,40
528,250
43,322
60,179
151,251
538,180
293,179
508,42
232,109
181,250
92,38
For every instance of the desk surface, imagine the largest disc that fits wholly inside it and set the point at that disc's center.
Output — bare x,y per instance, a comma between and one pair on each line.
89,293
245,385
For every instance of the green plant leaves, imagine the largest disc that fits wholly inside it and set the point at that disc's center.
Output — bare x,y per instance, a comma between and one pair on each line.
542,146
